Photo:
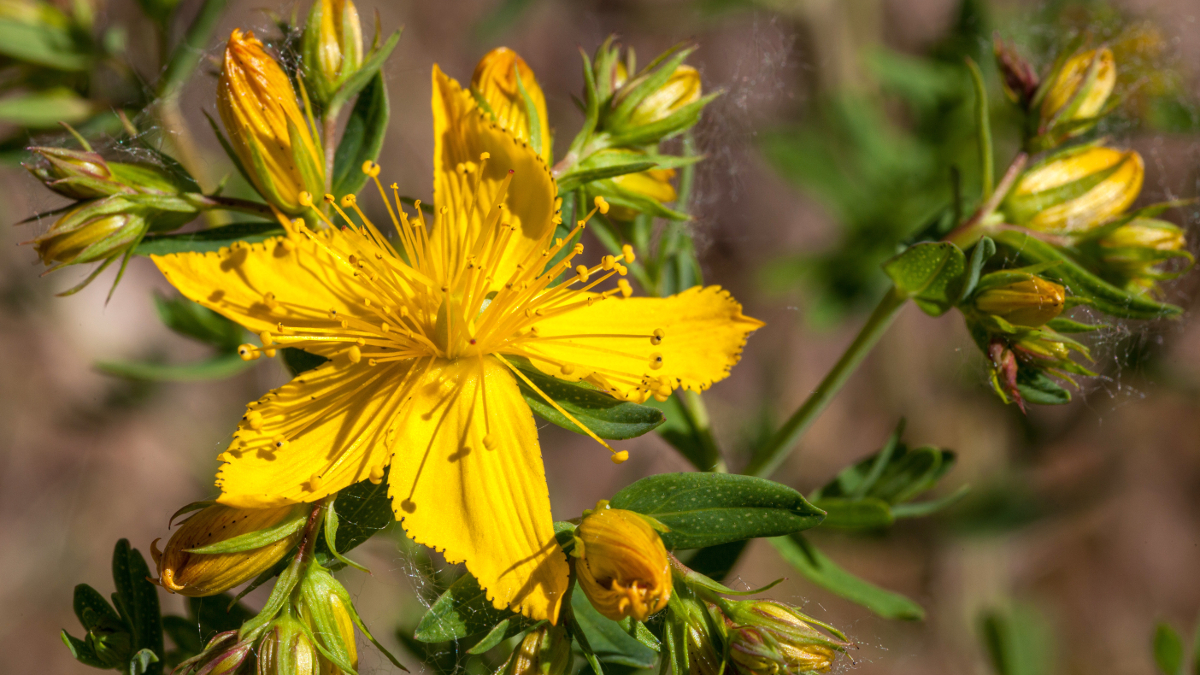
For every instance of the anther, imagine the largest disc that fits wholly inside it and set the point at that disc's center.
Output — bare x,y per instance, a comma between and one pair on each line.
620,457
656,361
601,204
376,474
329,198
254,420
657,337
625,288
607,263
265,337
627,251
621,269
370,168
385,327
280,442
582,271
269,299
485,156
248,352
349,200
567,369
578,249
305,198
287,245
354,354
314,482
490,442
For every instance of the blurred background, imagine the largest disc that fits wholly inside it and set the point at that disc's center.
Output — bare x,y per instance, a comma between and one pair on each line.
830,146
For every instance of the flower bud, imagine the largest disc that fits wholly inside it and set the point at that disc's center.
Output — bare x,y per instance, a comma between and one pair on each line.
1017,75
1028,302
543,651
1080,87
1074,191
767,638
331,47
86,175
495,82
276,145
198,574
285,649
681,89
1133,249
87,234
223,655
622,564
324,605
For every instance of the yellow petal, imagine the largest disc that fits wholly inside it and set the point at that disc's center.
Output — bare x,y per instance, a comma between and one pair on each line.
467,479
323,431
612,342
462,132
292,280
495,79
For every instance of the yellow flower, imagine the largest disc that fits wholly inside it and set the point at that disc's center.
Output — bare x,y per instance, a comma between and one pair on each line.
1028,302
1081,87
495,81
198,574
424,344
622,564
275,143
1075,191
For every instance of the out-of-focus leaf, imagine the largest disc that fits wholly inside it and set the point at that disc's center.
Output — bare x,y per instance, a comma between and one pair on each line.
216,368
825,573
1168,650
1018,641
708,509
681,431
855,514
363,138
199,322
931,274
45,109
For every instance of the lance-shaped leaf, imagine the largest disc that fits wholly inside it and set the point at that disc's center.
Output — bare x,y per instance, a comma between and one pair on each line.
825,573
216,368
136,600
363,138
463,610
708,509
205,241
606,416
363,510
931,274
608,640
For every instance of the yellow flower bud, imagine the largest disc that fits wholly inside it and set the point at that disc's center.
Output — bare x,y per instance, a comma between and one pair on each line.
1030,302
655,184
198,574
681,89
95,239
325,607
768,638
495,82
1146,233
1075,191
275,143
622,564
1081,86
331,46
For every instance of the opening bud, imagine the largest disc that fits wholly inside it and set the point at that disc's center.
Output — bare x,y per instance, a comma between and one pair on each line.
513,97
1079,88
242,543
768,638
621,564
1029,302
1076,190
681,89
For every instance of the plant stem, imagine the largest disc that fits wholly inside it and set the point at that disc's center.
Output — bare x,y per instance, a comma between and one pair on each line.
694,405
770,456
328,135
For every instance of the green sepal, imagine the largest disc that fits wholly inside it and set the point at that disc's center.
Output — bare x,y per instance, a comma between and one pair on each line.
931,274
983,250
310,167
825,573
364,510
708,509
362,139
605,416
582,174
257,539
330,533
1062,325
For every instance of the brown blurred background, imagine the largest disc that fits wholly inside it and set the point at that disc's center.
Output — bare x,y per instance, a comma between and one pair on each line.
1091,512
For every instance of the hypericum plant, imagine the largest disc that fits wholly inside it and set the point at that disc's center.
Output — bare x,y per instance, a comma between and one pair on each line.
422,346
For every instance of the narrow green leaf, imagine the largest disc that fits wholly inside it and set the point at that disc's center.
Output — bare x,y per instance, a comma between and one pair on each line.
362,139
681,431
1018,642
216,368
463,610
825,573
494,637
45,109
855,514
93,610
366,72
922,509
983,250
931,274
1168,649
364,510
1061,325
143,662
608,640
606,416
82,651
138,600
198,322
204,241
708,509
583,175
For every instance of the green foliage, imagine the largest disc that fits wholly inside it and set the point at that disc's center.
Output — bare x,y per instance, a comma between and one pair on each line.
709,509
1018,641
930,274
203,241
606,416
362,139
607,639
462,611
1168,650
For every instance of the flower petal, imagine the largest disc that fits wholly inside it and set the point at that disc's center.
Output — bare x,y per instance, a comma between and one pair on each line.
462,132
611,343
487,507
333,422
292,279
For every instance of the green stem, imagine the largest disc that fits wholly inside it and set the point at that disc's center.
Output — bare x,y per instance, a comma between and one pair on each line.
694,405
984,129
329,135
770,456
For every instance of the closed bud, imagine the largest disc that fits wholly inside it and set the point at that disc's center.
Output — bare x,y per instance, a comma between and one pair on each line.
498,81
332,47
622,564
543,651
1080,87
184,571
324,605
275,143
224,655
1017,75
700,634
88,234
1075,191
681,90
639,108
769,638
285,649
82,175
1029,302
1134,250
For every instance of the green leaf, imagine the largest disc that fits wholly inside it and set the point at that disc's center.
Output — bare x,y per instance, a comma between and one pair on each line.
499,633
983,250
1082,283
198,322
708,509
1037,387
825,573
1061,325
93,610
463,610
855,514
137,599
1018,641
606,416
608,640
82,651
583,174
362,139
931,274
43,44
299,361
45,109
1168,650
364,510
716,562
143,661
257,539
922,509
365,73
204,241
216,368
